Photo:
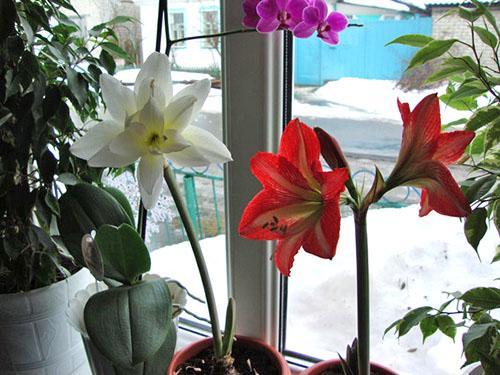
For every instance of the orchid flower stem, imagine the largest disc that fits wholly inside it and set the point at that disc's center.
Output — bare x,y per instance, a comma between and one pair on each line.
200,260
363,292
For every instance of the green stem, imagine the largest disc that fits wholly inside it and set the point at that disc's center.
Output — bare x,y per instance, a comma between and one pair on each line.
363,292
200,260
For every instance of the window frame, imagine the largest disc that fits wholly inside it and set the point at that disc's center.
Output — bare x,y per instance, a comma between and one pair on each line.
171,13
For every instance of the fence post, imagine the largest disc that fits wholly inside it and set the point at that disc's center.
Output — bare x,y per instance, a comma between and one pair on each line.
192,203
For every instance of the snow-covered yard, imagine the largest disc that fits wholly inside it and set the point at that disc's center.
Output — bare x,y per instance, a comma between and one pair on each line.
412,260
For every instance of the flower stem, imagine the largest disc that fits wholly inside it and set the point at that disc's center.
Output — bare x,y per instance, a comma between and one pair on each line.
363,295
200,260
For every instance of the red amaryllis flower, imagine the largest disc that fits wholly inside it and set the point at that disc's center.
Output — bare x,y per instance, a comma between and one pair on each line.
299,203
425,153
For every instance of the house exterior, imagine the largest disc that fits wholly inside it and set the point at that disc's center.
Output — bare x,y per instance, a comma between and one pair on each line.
372,9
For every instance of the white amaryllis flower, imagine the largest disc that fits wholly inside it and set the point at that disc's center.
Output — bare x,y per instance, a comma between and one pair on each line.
150,124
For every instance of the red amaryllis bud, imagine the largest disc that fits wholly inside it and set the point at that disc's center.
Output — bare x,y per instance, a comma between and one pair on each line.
330,150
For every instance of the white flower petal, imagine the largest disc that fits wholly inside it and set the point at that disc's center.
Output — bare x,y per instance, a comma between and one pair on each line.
131,142
175,142
151,116
96,138
149,176
106,158
148,89
205,149
157,67
120,101
199,90
179,112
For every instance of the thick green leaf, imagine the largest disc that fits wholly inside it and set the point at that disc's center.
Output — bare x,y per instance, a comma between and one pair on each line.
413,318
483,117
413,40
480,188
228,339
475,226
124,254
432,50
446,325
107,62
122,199
130,324
484,298
475,332
486,36
492,138
428,326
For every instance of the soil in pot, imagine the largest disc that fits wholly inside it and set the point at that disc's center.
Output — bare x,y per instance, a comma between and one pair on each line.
247,361
338,371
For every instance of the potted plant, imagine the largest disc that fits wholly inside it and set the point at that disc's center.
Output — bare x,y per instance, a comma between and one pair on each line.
41,76
473,311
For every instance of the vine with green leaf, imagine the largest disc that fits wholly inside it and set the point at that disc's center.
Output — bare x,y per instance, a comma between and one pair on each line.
473,80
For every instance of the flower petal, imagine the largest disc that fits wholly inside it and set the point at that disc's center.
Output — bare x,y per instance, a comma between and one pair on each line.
199,90
96,138
451,146
267,9
151,116
156,67
334,184
131,142
286,249
278,174
322,8
175,142
323,238
204,149
311,16
303,30
300,146
106,158
337,21
268,25
272,215
178,113
149,176
149,90
443,194
120,101
295,9
330,37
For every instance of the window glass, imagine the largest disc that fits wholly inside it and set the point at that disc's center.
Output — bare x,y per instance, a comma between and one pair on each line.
351,91
203,188
210,25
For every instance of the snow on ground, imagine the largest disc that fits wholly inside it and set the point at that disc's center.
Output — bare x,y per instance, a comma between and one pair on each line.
128,76
357,98
412,261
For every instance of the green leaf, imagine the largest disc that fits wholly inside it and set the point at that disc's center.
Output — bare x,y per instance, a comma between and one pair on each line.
444,73
413,318
432,50
475,332
107,62
130,324
486,36
446,325
52,203
115,50
395,325
475,226
428,326
496,258
122,199
124,254
78,85
476,147
413,40
492,137
47,165
68,179
473,89
228,339
482,117
480,188
482,297
470,15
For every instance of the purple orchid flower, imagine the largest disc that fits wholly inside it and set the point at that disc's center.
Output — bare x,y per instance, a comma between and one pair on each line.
251,18
279,14
315,17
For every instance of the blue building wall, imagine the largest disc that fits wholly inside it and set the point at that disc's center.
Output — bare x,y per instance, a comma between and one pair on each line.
361,52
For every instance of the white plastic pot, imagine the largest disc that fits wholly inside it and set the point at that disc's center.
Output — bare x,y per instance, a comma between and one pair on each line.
35,336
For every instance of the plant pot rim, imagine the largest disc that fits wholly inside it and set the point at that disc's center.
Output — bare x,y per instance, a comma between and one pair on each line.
193,349
325,365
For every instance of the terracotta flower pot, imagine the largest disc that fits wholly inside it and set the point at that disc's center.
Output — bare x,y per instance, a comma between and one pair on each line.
332,364
192,350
